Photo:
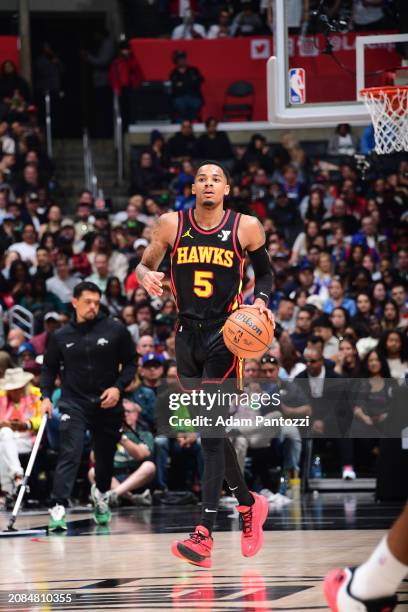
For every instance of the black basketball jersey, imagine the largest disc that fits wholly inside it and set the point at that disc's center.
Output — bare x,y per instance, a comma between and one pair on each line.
207,267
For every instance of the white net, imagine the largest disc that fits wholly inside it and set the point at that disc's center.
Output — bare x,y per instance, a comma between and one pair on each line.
389,113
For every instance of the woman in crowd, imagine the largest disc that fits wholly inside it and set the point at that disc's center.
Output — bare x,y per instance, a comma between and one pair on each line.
340,319
113,298
393,346
391,318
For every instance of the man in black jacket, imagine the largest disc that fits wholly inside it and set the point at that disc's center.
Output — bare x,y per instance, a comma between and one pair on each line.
97,361
328,395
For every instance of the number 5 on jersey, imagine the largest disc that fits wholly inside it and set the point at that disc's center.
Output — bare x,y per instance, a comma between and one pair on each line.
203,286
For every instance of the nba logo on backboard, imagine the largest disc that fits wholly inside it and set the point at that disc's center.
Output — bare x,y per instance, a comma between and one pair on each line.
297,86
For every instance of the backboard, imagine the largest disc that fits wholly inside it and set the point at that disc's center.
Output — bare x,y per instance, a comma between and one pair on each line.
314,77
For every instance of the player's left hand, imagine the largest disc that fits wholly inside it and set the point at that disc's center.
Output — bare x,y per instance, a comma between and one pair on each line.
110,397
260,304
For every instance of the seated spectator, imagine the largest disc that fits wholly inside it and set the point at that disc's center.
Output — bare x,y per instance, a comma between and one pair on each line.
158,149
348,362
286,216
19,277
145,345
183,143
20,418
303,242
38,300
247,22
11,82
83,224
133,468
101,275
189,29
393,346
118,263
391,318
53,220
214,144
15,338
260,442
146,176
27,248
185,200
400,297
323,275
182,451
337,298
369,238
129,319
340,319
52,322
370,342
222,29
361,319
323,327
316,209
291,183
186,84
374,396
63,282
29,182
302,330
113,298
285,315
330,409
343,141
152,370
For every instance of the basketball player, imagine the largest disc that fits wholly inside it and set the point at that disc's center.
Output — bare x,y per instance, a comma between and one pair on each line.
207,256
372,586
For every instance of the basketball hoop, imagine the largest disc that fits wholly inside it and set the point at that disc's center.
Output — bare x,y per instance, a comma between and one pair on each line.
388,107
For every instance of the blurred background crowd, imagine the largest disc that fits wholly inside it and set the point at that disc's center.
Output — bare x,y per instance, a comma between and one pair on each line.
338,245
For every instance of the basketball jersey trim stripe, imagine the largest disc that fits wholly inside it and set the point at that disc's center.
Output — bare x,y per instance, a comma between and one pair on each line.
235,236
179,230
215,229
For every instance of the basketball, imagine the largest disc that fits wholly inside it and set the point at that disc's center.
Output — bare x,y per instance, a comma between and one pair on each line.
247,332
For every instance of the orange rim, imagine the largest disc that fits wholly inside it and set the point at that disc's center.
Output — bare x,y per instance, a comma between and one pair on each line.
376,92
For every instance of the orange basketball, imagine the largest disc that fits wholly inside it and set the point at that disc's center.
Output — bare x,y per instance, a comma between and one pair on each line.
247,332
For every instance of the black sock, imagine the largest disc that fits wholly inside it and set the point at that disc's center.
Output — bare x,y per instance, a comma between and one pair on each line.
235,477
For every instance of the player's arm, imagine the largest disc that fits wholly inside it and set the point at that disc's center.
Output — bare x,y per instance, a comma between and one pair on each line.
163,236
251,235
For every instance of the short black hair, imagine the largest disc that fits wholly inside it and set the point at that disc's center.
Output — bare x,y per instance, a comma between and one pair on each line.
323,321
315,340
85,286
215,163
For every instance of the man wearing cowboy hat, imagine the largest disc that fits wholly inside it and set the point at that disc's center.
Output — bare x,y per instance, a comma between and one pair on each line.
20,415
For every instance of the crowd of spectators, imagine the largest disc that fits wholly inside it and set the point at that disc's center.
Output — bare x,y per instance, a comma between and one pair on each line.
199,19
338,247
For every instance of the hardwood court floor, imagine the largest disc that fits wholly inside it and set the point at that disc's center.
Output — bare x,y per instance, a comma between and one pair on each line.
128,566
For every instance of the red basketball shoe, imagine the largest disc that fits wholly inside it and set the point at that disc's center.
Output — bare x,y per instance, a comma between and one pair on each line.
196,549
337,593
253,518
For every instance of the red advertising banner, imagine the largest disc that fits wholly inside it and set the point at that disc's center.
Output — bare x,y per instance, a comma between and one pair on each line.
328,78
9,50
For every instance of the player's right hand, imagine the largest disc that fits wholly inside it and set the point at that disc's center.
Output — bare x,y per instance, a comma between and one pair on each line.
46,407
152,282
